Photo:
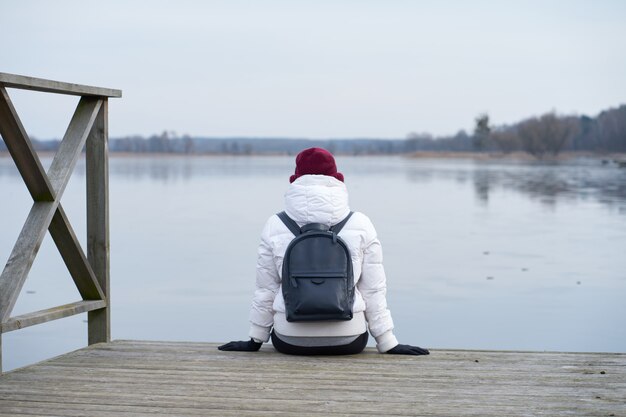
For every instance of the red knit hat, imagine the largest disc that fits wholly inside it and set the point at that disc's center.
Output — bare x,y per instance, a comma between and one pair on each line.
315,161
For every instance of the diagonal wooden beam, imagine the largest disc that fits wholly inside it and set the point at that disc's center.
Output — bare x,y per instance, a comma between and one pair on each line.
72,144
40,217
60,171
23,254
25,157
74,257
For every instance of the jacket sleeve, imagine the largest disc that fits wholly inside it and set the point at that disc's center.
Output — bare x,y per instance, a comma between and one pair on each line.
267,285
373,287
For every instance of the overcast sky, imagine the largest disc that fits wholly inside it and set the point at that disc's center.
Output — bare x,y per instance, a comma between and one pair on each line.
316,69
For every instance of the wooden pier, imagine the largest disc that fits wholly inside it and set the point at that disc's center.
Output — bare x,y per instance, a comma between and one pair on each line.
132,378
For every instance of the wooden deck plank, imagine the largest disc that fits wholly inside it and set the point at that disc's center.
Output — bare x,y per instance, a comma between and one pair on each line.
82,410
193,379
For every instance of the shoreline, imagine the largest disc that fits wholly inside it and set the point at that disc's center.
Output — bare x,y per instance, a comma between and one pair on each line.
479,156
518,156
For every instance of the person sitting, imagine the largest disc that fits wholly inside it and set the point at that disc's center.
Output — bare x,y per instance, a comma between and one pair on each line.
317,194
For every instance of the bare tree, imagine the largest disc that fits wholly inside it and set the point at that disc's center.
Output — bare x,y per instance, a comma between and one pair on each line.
611,130
506,139
547,134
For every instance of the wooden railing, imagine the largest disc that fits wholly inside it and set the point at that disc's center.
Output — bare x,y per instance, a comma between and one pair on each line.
88,129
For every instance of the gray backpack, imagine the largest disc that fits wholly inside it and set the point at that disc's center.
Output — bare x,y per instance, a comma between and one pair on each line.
317,282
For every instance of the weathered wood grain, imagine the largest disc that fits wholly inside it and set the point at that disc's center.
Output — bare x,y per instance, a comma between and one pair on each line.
140,378
50,86
97,167
54,313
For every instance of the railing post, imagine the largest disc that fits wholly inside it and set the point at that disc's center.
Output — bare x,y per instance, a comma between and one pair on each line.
97,168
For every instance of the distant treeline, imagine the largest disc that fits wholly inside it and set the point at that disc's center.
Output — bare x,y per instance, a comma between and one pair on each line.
548,134
167,143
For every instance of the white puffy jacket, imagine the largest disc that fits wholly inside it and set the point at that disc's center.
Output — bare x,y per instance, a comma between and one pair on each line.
322,199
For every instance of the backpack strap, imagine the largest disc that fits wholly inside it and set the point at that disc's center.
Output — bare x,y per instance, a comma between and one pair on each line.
295,229
290,223
337,228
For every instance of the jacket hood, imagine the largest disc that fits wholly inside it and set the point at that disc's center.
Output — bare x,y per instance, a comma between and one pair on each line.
317,199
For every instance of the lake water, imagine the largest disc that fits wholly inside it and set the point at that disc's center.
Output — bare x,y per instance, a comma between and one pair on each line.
478,254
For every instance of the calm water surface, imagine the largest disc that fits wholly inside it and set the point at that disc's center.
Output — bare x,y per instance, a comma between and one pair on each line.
479,255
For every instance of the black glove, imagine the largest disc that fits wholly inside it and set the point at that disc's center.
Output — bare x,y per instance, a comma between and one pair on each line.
408,350
242,346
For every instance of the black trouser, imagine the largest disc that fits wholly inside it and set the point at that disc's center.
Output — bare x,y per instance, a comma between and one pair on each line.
352,348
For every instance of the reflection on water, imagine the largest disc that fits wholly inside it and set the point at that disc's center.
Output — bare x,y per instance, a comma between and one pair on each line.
548,183
184,168
551,183
478,254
